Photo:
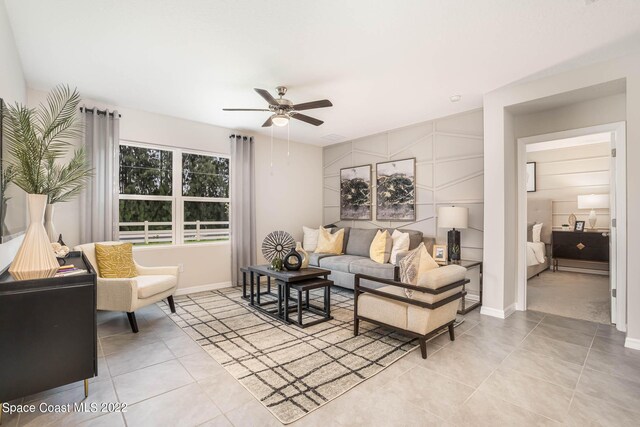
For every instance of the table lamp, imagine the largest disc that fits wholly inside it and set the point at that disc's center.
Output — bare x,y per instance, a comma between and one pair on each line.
593,202
454,218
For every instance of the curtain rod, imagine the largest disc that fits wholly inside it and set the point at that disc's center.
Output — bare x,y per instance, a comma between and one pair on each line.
96,111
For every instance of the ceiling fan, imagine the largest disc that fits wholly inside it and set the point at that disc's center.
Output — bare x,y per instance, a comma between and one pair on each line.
283,109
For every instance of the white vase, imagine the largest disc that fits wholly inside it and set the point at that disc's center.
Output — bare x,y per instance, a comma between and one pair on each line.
49,225
304,254
35,258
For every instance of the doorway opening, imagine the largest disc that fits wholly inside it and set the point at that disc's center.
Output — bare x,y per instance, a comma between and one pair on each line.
571,222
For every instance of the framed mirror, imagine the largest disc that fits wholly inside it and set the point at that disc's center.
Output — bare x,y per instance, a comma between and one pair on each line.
13,201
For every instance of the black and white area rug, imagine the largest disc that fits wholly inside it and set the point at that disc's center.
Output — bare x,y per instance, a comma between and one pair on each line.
291,371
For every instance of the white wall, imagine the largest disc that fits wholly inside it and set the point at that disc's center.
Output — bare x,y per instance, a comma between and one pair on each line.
501,233
564,173
449,171
286,198
12,89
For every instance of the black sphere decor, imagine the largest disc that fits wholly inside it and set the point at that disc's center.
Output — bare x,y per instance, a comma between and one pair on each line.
293,260
277,244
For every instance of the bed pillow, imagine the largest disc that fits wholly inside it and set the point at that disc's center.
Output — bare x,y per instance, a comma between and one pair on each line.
329,243
537,229
400,244
530,231
310,238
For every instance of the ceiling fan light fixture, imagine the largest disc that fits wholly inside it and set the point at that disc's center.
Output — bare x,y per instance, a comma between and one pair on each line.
280,120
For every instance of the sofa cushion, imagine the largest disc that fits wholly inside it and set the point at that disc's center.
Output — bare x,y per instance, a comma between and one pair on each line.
382,309
360,240
345,240
369,267
314,258
339,263
153,284
441,276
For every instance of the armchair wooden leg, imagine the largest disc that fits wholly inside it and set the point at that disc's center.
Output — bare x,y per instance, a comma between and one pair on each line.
356,327
133,322
423,347
452,334
172,305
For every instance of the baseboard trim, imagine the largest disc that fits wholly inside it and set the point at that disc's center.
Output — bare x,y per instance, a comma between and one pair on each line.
632,343
583,270
202,288
500,314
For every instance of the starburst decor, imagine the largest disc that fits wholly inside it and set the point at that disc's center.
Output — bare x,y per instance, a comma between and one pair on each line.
277,244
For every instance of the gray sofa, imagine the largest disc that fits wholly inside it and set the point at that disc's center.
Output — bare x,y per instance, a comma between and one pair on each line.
355,258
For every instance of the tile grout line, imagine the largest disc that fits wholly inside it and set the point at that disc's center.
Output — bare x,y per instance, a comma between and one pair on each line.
573,395
500,364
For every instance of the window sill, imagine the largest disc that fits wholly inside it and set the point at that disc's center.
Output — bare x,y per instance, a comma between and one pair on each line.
184,245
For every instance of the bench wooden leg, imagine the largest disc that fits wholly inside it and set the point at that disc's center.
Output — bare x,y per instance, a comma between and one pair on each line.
172,305
423,347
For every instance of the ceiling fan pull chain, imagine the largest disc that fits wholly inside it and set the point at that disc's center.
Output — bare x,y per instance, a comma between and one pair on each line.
288,143
271,166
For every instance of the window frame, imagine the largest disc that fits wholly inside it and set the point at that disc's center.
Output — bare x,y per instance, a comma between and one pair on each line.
177,199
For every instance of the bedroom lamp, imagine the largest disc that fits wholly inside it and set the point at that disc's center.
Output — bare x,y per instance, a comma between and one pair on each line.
593,202
453,217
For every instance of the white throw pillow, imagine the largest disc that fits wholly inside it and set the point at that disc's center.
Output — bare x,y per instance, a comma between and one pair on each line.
537,229
310,238
400,244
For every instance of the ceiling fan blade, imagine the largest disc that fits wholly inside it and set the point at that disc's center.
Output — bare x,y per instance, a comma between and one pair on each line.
307,119
267,123
245,109
267,96
314,104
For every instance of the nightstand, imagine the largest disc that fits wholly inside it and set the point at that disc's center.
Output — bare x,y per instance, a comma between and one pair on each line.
472,302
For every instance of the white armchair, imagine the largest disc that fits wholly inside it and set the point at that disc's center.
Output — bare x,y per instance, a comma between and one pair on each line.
150,286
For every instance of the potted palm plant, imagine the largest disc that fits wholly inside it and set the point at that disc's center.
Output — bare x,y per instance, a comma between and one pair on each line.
37,139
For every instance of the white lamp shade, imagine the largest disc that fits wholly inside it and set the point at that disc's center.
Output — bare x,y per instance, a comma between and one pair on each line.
453,217
593,201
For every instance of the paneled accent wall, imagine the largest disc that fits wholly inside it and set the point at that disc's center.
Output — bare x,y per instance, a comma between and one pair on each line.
563,174
449,171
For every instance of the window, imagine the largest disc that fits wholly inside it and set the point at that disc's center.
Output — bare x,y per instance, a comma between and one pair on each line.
169,195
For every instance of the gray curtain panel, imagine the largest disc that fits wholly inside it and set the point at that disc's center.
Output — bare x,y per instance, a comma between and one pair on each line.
243,209
99,201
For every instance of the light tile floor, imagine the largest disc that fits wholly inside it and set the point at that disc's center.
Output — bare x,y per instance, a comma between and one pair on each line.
530,369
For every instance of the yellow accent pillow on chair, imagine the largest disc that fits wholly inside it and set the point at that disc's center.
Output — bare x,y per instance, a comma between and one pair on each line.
330,243
116,261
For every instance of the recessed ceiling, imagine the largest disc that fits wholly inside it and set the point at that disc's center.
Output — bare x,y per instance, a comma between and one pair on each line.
383,64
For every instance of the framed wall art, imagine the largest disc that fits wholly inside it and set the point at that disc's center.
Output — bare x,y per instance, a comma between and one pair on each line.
355,193
396,190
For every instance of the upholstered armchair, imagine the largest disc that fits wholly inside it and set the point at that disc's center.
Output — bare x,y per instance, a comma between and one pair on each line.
150,286
430,309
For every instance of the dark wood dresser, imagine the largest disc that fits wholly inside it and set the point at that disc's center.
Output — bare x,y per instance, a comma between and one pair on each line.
47,331
580,246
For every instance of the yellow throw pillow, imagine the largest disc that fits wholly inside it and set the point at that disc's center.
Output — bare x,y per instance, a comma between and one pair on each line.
380,249
330,243
116,261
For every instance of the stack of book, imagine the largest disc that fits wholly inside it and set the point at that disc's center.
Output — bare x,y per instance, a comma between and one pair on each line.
69,270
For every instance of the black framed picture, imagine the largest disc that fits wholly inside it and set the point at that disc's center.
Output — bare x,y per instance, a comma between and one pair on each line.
531,177
355,193
396,190
579,226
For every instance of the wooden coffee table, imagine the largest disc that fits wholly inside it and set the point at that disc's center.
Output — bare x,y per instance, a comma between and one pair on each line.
285,280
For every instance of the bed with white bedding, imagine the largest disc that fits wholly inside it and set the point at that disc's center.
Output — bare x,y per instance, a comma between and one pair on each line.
538,212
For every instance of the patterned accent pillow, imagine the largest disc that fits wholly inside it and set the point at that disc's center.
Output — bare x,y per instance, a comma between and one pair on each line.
416,263
116,261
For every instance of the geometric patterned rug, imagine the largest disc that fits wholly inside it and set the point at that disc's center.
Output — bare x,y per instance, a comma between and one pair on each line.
291,371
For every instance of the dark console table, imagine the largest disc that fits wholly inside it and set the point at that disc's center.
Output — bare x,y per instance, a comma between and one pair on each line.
47,331
589,246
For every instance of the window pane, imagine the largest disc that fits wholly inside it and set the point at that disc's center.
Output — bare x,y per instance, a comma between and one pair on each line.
205,176
134,213
145,171
206,221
